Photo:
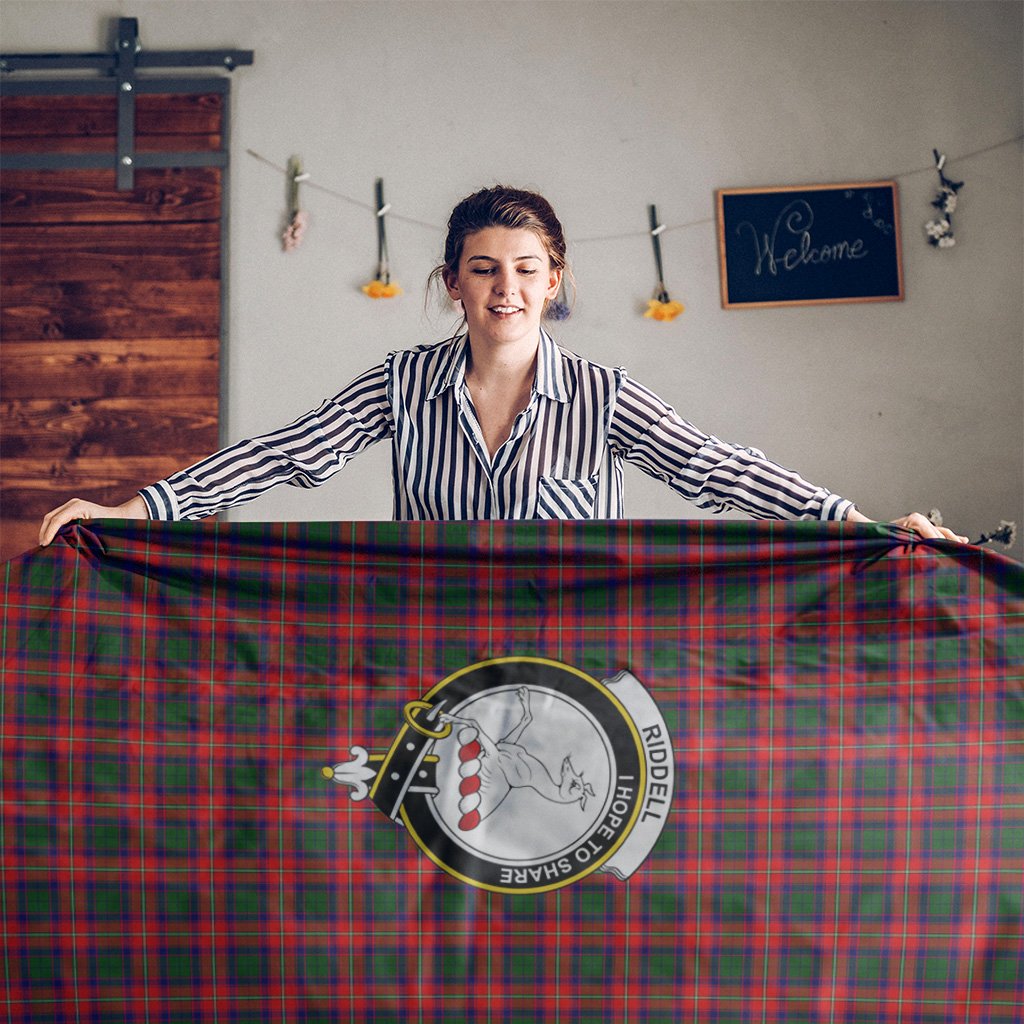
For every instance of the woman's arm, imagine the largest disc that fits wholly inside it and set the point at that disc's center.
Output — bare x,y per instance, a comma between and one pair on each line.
305,453
715,474
710,472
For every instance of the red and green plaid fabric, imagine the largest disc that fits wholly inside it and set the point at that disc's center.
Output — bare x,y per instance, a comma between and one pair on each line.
846,836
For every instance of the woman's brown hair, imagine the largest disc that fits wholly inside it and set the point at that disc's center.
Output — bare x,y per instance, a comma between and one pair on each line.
500,207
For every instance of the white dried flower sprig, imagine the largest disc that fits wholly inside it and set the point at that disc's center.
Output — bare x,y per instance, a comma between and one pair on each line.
940,230
940,233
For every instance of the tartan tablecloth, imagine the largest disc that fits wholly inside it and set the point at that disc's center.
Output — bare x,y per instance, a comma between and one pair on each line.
607,772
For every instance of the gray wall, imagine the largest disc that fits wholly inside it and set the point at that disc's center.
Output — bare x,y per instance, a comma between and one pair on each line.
606,107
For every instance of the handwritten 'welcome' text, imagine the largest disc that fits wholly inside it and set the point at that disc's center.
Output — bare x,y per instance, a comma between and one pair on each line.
796,221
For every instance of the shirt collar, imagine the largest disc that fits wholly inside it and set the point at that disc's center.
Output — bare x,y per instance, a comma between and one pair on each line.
550,380
451,370
551,376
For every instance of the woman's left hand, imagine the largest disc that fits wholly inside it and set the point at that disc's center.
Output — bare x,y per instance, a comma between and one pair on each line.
919,524
922,525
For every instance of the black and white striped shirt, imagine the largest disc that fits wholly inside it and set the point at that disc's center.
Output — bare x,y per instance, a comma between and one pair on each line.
562,460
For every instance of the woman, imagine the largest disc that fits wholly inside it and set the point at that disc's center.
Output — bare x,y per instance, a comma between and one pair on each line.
498,422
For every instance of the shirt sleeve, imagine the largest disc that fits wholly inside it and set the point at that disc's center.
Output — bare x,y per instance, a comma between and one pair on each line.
305,453
711,473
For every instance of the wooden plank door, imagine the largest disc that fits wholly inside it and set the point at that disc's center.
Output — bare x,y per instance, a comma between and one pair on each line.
110,306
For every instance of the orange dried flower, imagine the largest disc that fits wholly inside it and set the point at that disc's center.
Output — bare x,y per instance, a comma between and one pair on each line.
665,311
380,290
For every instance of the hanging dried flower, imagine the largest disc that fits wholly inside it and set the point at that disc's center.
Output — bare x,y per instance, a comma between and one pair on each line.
381,289
661,307
1005,533
298,218
558,308
940,231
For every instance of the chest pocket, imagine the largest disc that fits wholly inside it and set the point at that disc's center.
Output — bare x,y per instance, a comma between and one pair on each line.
563,498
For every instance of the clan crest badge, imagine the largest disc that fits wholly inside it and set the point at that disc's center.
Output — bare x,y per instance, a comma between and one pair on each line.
522,775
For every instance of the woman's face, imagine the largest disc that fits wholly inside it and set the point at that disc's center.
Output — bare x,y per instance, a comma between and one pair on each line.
504,280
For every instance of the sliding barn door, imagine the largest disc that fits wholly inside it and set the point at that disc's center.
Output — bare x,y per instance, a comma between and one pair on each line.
110,303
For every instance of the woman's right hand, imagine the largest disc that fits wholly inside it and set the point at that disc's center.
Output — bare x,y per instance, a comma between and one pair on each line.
78,508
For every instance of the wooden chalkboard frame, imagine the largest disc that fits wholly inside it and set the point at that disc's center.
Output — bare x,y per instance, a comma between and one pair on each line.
745,254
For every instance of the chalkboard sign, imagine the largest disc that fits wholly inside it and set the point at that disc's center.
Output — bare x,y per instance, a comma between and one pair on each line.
814,244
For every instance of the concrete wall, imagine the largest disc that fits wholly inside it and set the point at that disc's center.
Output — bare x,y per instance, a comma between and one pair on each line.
606,107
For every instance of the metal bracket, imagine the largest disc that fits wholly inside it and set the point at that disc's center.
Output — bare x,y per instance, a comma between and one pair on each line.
123,65
128,46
